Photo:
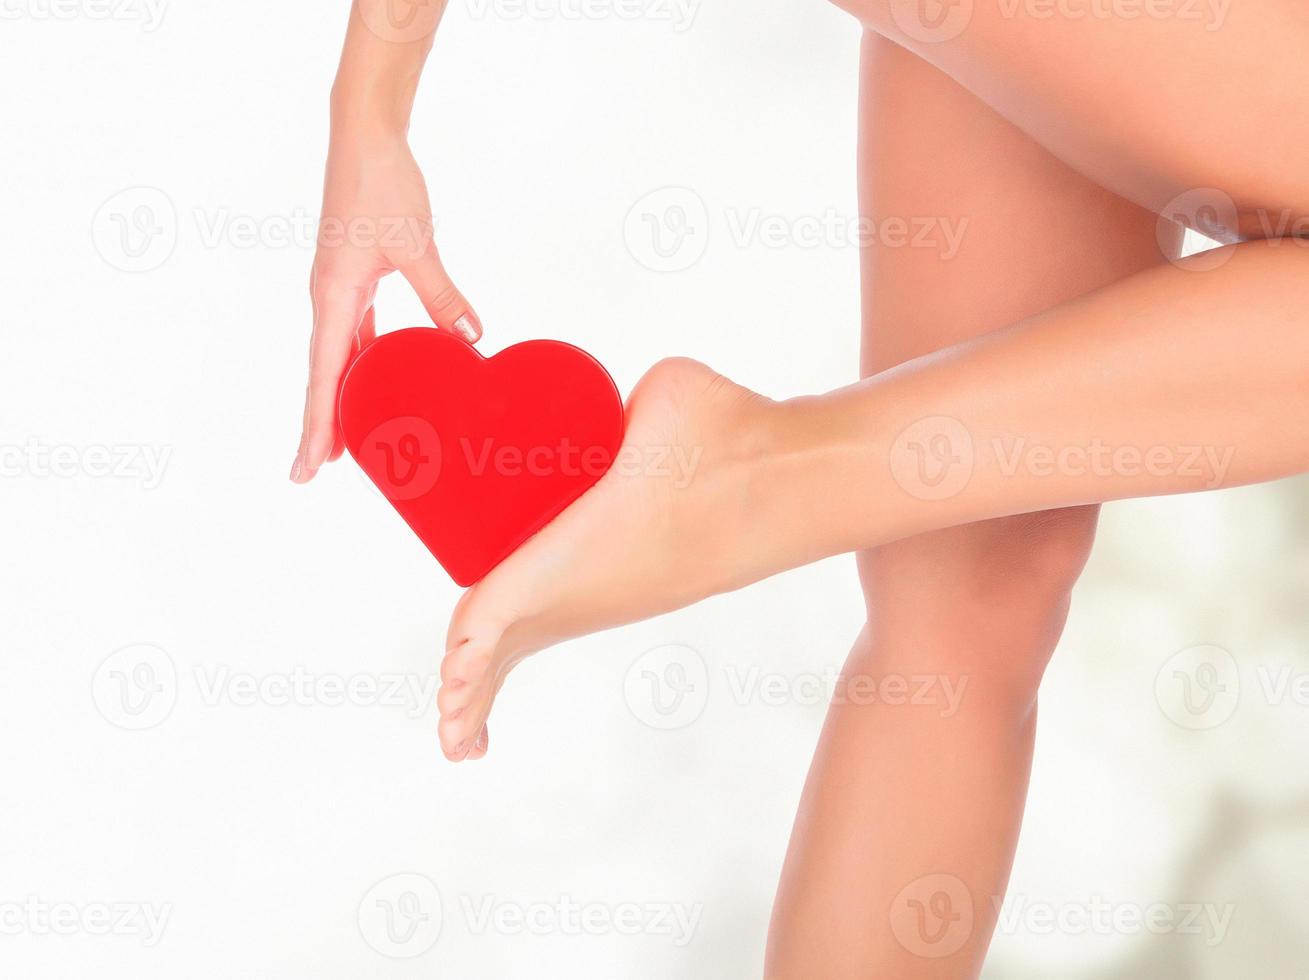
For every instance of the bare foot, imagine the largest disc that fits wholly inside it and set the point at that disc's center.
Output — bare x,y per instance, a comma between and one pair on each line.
662,529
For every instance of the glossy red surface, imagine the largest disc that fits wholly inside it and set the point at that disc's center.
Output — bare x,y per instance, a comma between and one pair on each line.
478,453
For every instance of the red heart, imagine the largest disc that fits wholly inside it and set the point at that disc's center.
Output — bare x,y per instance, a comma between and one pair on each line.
478,454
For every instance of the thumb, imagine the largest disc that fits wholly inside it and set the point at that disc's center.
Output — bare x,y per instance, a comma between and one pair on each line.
443,302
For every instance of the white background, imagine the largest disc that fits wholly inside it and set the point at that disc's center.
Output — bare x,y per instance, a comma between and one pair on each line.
268,832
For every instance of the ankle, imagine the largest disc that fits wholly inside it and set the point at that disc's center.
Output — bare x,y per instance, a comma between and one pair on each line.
796,484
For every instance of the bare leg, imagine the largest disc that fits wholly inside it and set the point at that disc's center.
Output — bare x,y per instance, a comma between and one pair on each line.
900,793
1149,100
1169,381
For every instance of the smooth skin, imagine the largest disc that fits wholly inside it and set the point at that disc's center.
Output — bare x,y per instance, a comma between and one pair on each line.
376,215
1157,359
981,605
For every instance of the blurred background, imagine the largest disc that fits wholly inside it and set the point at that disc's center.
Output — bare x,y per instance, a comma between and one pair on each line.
216,688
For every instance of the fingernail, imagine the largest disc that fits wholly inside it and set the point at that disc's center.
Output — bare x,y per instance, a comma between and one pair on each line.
296,468
467,328
311,458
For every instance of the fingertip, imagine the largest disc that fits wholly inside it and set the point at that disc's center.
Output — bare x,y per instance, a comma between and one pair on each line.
300,471
318,450
467,327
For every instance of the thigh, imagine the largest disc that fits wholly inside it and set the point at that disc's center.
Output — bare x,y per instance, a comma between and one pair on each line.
1005,230
1152,98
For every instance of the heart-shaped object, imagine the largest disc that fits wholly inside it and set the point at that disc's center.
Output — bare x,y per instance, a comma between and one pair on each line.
478,453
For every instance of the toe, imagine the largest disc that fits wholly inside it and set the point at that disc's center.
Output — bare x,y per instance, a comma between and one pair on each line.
456,736
452,698
479,745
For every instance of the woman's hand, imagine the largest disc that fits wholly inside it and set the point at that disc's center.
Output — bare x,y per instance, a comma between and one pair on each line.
376,220
376,217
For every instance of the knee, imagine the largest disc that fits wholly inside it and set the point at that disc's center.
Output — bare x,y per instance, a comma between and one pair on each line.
988,600
1030,561
1023,572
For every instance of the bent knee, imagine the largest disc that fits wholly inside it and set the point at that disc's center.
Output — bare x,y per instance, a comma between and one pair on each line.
987,599
1013,570
1041,555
